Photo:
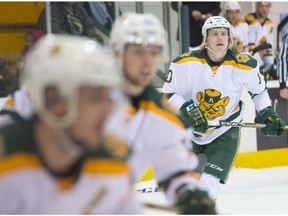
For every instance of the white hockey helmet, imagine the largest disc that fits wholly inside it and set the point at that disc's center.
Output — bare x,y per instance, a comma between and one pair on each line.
67,63
216,22
132,28
231,5
264,2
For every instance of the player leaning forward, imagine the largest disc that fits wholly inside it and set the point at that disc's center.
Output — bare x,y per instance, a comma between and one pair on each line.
206,85
155,135
59,161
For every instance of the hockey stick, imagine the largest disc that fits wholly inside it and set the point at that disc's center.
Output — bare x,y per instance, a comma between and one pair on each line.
240,124
198,170
148,189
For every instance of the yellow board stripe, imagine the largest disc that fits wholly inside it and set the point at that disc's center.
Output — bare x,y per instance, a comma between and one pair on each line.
255,160
262,159
105,166
151,106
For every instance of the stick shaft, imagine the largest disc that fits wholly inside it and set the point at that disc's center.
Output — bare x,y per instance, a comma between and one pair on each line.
239,124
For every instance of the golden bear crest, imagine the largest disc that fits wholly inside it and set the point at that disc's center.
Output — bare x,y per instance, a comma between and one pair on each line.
241,57
212,103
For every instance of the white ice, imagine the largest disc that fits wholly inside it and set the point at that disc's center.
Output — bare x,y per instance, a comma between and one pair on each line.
248,191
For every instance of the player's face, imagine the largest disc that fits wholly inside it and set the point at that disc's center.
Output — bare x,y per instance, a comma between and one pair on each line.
218,39
263,9
232,16
94,106
141,63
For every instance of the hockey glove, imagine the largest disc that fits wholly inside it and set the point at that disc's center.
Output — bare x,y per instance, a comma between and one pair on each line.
195,116
272,120
191,200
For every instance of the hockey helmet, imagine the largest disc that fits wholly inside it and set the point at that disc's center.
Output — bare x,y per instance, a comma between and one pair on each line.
67,63
143,29
231,6
216,22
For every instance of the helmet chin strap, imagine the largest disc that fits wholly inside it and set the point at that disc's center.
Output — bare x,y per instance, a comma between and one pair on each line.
216,53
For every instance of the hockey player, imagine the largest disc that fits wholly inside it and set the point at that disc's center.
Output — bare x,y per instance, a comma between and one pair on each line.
60,161
282,68
206,85
240,29
261,36
156,135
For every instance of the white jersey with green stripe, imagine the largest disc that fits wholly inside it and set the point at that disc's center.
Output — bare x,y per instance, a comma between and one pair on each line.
216,89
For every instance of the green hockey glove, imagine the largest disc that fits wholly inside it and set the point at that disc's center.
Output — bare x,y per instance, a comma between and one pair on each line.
191,200
195,116
272,120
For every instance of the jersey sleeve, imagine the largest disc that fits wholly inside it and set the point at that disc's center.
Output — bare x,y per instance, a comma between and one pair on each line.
245,39
174,89
256,85
252,37
268,58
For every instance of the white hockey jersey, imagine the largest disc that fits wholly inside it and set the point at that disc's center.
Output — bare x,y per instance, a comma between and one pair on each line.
240,36
156,137
259,35
217,90
97,184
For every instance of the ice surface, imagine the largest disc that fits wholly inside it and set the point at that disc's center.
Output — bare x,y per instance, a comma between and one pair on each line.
248,191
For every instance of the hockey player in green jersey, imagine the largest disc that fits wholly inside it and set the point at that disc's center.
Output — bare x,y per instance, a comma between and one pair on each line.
155,134
60,161
206,85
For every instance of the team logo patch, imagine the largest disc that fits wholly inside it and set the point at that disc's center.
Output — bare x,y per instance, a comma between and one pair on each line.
238,44
242,57
186,54
55,50
212,103
250,18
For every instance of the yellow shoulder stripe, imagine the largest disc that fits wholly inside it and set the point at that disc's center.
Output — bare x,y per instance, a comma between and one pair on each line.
132,110
268,22
234,64
151,106
19,161
191,59
105,166
254,22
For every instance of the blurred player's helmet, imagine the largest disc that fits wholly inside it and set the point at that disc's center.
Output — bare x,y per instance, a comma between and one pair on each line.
66,63
264,2
216,22
143,29
231,6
